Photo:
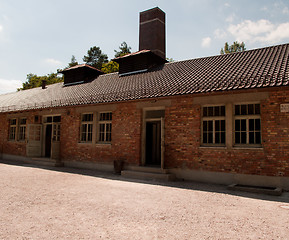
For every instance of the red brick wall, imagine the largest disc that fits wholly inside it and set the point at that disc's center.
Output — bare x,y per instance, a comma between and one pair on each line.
182,139
125,145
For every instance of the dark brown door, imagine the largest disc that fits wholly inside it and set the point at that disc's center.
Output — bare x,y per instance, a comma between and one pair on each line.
153,143
48,140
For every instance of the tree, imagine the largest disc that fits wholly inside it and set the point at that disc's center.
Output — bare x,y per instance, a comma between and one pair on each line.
124,50
110,67
34,81
235,47
95,57
73,62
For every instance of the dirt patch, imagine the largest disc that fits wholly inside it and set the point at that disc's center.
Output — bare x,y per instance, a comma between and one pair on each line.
40,203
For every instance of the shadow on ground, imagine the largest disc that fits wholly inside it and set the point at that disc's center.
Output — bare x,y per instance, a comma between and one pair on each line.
189,185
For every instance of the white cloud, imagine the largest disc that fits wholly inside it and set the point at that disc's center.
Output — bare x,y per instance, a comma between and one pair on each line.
206,42
260,31
285,10
1,28
7,86
220,34
230,18
227,5
53,61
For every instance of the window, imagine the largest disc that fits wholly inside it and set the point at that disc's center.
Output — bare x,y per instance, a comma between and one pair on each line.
104,126
12,129
22,129
247,124
214,125
86,127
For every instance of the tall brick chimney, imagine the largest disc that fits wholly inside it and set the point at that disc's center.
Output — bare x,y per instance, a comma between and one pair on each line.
152,31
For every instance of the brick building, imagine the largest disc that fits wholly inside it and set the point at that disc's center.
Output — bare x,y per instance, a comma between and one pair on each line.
221,119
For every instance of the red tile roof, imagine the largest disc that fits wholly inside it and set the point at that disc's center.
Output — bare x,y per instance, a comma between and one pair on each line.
259,68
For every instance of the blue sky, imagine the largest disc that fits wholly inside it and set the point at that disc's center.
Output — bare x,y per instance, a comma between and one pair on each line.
40,36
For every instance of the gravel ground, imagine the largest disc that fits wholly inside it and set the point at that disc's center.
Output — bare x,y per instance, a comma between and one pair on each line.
62,203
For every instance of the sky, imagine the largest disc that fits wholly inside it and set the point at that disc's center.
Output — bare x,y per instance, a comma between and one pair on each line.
40,36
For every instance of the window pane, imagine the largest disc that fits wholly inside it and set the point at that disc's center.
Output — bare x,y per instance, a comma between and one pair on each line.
243,109
251,124
210,111
223,111
223,125
210,137
216,111
237,125
210,126
237,138
217,137
223,137
257,108
257,124
205,125
56,118
251,109
251,138
258,137
217,125
243,125
237,109
243,138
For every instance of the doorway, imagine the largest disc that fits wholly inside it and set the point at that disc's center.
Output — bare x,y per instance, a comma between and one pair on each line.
48,134
153,143
153,137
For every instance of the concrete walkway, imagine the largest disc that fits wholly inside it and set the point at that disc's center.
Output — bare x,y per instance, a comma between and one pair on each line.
61,203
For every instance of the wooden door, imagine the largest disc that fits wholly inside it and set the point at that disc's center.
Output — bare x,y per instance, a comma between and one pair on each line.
55,144
34,137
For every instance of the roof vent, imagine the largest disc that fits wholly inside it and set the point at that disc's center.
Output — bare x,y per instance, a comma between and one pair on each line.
80,74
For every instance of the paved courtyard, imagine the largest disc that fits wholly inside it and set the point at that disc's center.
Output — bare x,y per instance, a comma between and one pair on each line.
62,203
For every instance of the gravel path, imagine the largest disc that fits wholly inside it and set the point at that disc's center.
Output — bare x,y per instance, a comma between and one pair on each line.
38,203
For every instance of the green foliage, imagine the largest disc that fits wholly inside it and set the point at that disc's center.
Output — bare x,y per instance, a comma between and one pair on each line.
124,50
34,81
73,62
95,57
110,67
170,60
235,47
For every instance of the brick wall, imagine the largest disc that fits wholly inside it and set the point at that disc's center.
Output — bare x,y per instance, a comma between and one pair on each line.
182,139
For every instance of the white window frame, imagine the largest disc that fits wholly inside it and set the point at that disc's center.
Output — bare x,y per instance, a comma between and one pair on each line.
102,135
247,117
22,129
87,132
13,133
213,119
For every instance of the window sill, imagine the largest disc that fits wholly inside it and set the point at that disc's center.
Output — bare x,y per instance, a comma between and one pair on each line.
248,148
213,147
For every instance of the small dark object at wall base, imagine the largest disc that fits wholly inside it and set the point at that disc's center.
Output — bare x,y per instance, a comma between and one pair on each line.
118,165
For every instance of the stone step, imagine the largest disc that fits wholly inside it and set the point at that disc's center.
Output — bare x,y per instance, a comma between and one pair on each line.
148,169
148,175
44,162
276,191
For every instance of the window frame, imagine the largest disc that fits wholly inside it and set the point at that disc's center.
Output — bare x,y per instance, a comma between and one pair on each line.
14,127
247,117
107,123
213,118
22,127
87,124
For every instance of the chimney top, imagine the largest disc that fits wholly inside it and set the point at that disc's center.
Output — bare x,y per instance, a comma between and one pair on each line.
152,31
